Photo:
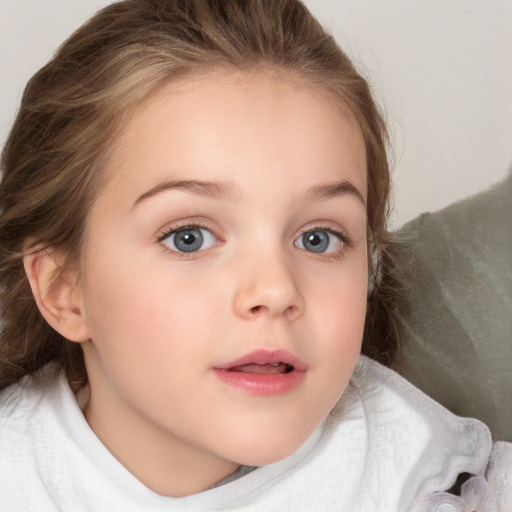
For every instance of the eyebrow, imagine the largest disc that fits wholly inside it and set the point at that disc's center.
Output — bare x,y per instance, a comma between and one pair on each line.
212,189
229,191
335,189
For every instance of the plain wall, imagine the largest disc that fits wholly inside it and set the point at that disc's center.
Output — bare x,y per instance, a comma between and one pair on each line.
442,70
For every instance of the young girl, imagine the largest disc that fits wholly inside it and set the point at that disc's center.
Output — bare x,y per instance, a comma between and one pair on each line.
193,254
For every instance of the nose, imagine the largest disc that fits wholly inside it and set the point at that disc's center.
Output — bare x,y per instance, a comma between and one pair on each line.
268,288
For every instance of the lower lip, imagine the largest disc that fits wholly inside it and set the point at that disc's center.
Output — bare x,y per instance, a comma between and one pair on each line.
262,384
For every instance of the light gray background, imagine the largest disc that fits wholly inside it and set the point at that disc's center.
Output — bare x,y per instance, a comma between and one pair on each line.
442,70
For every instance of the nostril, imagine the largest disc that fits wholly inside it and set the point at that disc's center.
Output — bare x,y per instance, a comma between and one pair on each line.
259,310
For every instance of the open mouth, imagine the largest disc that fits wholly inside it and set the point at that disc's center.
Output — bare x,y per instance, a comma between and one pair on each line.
264,372
263,369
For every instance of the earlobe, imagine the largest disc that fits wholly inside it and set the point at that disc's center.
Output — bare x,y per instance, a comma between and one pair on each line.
56,293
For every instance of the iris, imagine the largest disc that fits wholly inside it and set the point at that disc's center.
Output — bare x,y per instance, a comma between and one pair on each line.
316,241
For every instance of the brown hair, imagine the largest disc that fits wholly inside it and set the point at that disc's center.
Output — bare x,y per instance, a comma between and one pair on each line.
75,105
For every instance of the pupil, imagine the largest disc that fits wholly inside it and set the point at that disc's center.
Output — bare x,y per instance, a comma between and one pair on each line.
189,240
316,241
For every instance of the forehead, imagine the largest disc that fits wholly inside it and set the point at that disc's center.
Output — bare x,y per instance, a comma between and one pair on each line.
219,125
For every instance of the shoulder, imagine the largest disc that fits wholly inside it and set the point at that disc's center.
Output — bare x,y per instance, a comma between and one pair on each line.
25,425
416,447
387,394
24,407
499,475
19,402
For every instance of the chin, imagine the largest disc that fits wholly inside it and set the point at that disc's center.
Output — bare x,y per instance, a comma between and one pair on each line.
268,449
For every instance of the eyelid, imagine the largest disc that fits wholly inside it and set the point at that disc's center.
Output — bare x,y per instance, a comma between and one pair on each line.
339,232
169,229
184,225
345,240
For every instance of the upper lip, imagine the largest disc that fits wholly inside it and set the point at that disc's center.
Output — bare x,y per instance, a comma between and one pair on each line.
265,356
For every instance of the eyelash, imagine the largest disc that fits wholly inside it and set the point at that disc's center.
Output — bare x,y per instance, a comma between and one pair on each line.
346,241
183,227
341,234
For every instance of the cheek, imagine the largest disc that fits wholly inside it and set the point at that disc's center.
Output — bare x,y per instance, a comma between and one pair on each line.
339,305
140,311
343,322
141,338
339,295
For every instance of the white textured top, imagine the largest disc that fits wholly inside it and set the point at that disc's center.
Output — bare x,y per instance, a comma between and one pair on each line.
386,447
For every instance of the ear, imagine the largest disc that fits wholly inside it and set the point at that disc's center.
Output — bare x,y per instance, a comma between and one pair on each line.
56,292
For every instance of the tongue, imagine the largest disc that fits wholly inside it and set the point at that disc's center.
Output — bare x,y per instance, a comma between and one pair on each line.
262,368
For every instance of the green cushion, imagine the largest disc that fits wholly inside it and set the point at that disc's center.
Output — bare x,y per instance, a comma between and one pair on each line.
456,314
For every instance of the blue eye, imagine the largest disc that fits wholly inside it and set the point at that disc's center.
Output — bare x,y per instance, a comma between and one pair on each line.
188,240
320,241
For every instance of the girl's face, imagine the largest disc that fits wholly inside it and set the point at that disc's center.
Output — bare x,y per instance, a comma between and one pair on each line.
225,277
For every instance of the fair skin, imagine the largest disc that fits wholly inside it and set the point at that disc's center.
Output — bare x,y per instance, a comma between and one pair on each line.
272,176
